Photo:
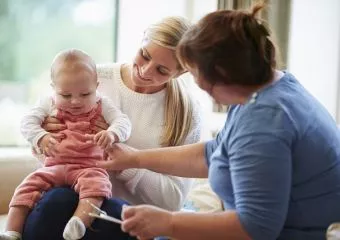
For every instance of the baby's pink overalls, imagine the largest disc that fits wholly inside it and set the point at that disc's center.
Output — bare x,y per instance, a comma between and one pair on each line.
73,166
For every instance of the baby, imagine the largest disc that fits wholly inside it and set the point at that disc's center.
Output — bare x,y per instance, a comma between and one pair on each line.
71,157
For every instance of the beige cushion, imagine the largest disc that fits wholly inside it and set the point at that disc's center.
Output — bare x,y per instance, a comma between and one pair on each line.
202,198
14,167
2,222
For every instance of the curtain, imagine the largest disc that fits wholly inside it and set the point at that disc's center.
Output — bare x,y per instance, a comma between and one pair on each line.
277,15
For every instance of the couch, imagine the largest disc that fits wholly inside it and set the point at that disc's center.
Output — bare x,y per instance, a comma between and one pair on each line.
16,164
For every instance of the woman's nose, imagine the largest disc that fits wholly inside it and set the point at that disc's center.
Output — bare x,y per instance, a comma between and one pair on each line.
146,70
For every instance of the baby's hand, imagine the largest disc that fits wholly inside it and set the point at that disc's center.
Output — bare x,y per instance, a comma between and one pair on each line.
105,139
48,144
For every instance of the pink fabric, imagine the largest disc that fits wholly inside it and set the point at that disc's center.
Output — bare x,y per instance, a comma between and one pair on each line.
74,148
73,166
87,181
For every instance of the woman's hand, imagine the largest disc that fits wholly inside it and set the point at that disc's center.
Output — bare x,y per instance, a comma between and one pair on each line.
146,222
52,124
121,157
100,125
48,143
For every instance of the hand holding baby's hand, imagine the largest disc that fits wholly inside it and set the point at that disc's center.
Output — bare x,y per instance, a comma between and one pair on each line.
105,139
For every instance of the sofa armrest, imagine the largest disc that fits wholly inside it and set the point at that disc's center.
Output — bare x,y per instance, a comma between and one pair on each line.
15,165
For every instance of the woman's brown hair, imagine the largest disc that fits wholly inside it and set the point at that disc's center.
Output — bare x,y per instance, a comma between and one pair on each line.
230,47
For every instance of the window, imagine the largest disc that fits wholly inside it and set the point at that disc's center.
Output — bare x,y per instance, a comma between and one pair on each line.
35,31
136,16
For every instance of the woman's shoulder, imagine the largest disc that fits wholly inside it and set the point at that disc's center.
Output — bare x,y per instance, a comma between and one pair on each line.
196,110
196,124
108,77
108,70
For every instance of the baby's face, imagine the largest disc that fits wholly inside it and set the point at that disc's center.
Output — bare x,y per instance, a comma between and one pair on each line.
75,91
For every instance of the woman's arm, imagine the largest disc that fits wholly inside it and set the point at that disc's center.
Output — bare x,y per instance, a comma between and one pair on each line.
183,161
260,160
150,187
155,188
197,226
147,222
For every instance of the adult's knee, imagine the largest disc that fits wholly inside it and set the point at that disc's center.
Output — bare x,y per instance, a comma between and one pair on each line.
50,215
114,206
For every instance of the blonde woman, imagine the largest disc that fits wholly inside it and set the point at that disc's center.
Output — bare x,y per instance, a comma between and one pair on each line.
162,114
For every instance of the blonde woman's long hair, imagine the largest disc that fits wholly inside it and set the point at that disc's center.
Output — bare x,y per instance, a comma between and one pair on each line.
178,109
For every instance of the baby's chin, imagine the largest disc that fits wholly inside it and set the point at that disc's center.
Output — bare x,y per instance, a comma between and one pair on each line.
77,111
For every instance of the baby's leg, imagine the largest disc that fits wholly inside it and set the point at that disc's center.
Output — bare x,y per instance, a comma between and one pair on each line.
84,208
15,223
24,198
93,184
76,227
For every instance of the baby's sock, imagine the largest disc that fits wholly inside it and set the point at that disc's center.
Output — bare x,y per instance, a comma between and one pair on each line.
10,235
74,230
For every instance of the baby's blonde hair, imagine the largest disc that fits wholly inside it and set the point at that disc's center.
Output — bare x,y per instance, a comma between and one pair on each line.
178,105
72,60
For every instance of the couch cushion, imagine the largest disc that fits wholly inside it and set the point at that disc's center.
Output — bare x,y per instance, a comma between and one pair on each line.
201,198
2,222
15,165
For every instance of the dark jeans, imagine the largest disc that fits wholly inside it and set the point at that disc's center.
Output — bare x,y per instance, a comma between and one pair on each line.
49,217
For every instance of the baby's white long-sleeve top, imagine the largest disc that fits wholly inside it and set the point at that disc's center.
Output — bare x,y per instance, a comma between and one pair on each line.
146,112
33,132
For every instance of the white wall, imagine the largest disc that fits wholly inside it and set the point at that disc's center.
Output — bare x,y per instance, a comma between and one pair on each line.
314,49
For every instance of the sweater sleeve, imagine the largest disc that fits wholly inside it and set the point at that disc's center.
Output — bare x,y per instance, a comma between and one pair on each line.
31,123
259,152
118,121
155,188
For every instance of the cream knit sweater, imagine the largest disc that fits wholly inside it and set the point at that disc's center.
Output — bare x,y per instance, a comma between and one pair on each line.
146,113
